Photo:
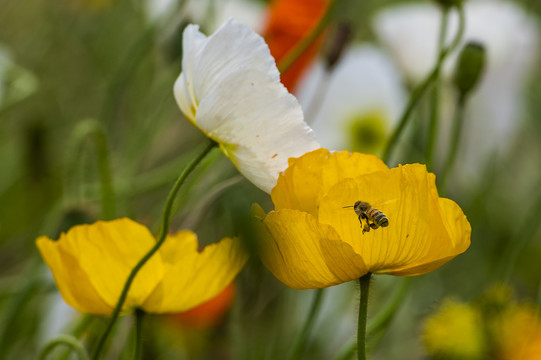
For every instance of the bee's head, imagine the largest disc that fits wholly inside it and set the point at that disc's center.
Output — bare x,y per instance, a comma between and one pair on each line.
361,206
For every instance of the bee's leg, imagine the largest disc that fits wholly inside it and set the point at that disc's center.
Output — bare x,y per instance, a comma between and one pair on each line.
365,227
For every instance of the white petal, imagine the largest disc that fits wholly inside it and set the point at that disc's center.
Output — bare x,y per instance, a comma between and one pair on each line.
234,86
233,49
262,120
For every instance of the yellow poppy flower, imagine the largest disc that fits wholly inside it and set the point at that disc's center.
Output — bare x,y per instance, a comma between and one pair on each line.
90,264
230,89
312,241
456,332
518,333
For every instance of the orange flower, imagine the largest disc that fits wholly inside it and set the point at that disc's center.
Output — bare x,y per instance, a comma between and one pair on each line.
209,313
288,22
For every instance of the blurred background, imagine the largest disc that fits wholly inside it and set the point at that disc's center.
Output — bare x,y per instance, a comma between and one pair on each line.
85,83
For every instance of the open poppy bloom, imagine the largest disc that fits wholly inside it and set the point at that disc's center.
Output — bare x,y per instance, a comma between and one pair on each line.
314,238
90,265
230,89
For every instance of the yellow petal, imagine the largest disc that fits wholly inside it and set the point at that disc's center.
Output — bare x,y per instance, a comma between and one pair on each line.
424,231
304,254
104,253
72,282
193,277
308,178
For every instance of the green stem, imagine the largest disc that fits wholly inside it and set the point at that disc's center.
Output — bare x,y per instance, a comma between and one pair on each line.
518,242
302,45
165,229
384,317
381,320
363,315
90,128
139,315
435,106
77,331
301,340
423,86
14,305
458,123
67,340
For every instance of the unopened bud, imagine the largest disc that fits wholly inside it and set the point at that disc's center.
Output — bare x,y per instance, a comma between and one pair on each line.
343,34
469,68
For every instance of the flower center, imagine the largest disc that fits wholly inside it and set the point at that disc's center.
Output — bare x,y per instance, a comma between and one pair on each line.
366,132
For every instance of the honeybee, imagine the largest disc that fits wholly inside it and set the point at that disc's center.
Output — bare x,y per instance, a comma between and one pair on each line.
374,218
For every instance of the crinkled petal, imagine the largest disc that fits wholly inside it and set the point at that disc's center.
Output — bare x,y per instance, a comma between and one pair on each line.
193,277
304,254
424,231
236,98
105,253
308,178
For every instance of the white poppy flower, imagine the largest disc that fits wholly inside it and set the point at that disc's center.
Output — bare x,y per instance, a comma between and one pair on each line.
230,89
510,37
361,100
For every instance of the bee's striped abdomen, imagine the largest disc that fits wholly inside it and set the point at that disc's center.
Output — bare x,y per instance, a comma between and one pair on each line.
377,217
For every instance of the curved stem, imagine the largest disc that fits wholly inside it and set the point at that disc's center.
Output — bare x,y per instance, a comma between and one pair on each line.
363,315
423,86
302,45
458,123
301,340
90,128
67,340
435,105
139,315
165,229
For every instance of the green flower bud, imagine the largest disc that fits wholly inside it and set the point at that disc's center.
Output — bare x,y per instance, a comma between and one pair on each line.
469,68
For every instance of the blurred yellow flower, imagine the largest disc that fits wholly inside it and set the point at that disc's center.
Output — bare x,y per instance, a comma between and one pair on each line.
90,264
455,332
312,241
518,333
230,89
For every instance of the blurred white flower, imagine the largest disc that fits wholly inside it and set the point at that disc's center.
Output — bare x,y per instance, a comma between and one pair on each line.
210,12
230,89
357,106
510,37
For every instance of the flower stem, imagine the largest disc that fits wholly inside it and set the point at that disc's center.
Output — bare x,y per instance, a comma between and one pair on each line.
139,315
302,45
529,227
436,92
423,86
381,320
301,340
165,229
458,123
91,128
363,312
67,340
384,317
